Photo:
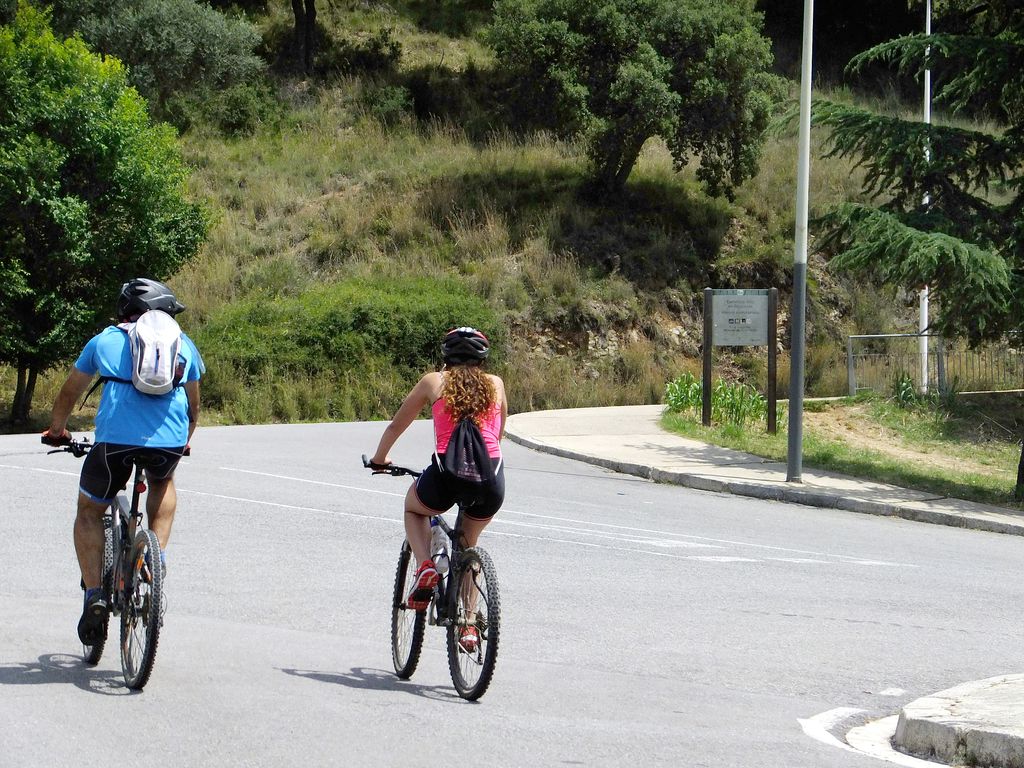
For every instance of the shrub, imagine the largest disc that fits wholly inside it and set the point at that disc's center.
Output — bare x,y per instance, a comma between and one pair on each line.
170,46
365,332
237,110
390,104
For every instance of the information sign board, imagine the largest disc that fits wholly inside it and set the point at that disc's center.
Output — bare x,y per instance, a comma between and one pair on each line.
740,318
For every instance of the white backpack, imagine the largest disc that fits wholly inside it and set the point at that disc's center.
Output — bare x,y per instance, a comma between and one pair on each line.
155,340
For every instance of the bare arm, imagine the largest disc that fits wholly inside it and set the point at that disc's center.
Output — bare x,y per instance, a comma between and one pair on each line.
418,398
499,386
72,389
192,390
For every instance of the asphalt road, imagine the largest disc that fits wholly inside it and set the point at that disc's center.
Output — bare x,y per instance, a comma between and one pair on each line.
641,623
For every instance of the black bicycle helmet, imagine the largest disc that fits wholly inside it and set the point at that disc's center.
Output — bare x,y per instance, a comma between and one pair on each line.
142,294
464,345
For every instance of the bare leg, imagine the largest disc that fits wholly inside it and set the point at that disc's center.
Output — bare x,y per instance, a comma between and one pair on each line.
161,502
417,525
89,540
471,530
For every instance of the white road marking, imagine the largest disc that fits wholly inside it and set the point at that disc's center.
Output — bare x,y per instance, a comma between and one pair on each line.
817,727
875,739
718,543
625,537
892,692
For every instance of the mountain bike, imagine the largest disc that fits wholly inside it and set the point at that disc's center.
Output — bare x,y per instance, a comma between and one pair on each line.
465,599
132,580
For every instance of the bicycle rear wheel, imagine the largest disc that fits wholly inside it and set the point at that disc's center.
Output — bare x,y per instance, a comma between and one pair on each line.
142,614
93,653
407,625
477,607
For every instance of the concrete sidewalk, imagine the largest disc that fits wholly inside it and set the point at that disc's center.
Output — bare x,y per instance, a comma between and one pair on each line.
630,439
978,723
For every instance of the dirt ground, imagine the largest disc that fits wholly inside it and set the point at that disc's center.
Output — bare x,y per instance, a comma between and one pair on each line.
853,424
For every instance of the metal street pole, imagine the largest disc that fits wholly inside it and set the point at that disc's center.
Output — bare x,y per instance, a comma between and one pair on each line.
794,463
922,317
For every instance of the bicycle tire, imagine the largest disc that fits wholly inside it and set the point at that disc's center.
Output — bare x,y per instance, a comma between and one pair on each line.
93,653
407,625
142,612
472,671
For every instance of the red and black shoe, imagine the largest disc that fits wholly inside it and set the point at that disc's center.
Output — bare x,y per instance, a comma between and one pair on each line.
424,581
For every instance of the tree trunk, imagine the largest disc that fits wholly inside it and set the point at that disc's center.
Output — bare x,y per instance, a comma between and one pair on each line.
22,404
310,32
304,12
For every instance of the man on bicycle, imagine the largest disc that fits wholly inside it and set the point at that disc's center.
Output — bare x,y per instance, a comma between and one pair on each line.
129,424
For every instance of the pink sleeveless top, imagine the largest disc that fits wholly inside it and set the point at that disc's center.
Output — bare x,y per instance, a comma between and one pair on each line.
444,425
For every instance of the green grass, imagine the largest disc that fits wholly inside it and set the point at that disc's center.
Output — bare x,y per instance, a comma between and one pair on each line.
921,429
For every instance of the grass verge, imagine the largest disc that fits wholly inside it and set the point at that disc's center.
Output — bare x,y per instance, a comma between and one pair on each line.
932,450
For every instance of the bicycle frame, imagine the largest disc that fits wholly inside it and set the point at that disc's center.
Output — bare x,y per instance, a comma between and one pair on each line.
125,521
443,606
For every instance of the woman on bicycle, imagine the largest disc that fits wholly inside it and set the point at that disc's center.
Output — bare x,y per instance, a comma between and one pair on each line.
459,389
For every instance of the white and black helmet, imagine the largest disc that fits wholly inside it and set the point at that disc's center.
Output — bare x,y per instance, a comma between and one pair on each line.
464,345
142,294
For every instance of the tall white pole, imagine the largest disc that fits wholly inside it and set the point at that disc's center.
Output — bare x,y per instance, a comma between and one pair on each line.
922,324
794,462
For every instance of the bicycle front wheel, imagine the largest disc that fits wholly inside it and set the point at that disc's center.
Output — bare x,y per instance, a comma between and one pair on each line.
93,653
142,614
473,633
407,625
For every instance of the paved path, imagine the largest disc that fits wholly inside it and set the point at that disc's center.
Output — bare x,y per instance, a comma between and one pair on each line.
977,723
630,439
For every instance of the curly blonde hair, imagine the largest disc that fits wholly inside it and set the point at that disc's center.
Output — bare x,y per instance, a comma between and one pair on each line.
467,391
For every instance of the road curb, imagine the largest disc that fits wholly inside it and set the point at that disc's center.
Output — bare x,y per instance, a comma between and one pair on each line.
942,727
795,495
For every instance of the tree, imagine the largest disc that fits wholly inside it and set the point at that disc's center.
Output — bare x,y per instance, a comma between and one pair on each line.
618,72
947,207
91,193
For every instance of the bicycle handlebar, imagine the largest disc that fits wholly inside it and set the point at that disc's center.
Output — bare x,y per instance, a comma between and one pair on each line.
77,448
389,469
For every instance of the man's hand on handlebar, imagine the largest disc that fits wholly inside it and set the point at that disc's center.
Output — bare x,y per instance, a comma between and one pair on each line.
48,438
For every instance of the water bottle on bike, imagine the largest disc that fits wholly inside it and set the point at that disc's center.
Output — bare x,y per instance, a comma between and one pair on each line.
438,547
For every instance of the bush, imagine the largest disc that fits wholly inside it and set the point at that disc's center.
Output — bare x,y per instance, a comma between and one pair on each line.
237,110
390,104
364,332
170,46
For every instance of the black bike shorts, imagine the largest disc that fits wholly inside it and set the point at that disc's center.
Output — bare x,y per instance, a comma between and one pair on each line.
109,466
437,490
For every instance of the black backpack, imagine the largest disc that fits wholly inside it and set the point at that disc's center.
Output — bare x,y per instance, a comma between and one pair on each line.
467,462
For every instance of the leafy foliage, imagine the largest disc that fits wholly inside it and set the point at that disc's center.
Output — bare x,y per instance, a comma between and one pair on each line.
170,46
731,403
621,71
91,192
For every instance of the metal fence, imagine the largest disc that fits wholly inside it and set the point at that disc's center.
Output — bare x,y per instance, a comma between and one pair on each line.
875,361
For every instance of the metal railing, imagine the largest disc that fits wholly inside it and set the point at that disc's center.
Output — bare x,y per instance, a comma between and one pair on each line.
991,368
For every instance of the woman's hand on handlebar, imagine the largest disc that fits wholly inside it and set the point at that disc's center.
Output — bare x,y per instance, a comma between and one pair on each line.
377,466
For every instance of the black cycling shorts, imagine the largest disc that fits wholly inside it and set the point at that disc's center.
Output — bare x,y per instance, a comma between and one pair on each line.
438,491
108,467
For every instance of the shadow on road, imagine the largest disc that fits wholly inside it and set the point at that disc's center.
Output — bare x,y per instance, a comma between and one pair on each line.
62,669
375,680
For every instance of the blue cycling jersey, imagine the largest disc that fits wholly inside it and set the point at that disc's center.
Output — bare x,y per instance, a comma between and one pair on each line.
127,416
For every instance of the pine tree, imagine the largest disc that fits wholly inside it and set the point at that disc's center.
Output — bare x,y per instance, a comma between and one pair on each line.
948,210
